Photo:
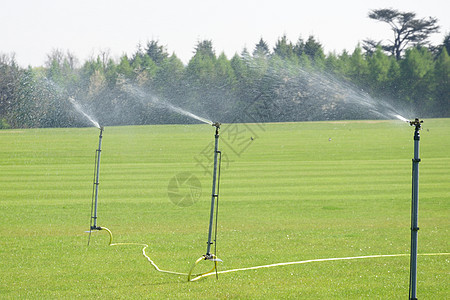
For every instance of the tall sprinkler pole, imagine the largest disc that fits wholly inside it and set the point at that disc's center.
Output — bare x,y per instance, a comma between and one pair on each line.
414,211
96,183
214,204
214,194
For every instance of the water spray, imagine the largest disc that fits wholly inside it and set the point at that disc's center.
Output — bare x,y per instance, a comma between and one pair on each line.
146,98
81,111
214,204
94,203
414,210
401,118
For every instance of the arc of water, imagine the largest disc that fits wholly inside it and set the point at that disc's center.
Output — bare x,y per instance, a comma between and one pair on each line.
80,110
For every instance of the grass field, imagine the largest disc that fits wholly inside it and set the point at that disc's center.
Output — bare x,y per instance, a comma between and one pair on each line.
295,192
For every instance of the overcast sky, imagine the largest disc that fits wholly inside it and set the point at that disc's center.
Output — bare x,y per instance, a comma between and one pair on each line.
33,28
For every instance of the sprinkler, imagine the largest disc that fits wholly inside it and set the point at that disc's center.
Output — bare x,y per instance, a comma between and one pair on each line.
414,210
214,195
214,204
94,203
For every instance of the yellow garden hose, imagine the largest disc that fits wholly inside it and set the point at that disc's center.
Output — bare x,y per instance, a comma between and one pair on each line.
312,261
143,253
110,234
214,259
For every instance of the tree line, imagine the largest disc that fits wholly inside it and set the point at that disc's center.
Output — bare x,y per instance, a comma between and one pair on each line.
289,82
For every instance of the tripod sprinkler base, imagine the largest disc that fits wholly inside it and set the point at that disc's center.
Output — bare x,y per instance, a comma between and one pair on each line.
211,257
96,228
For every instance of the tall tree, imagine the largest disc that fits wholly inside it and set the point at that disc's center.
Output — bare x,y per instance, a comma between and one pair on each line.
442,81
9,83
379,65
417,77
394,84
358,67
261,49
200,75
283,48
408,30
299,48
446,44
61,68
205,49
202,65
156,52
224,87
225,72
124,67
314,50
169,77
243,80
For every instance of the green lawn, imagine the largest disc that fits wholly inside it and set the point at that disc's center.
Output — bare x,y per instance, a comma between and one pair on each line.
297,191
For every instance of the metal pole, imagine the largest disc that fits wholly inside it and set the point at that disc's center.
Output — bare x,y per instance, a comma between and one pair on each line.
96,182
214,194
414,211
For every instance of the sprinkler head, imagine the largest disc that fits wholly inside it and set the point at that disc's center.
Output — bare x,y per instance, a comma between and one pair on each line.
416,123
217,124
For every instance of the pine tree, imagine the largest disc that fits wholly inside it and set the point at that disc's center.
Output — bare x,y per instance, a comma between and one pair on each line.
261,49
378,68
284,49
124,68
358,67
417,76
314,50
442,82
156,52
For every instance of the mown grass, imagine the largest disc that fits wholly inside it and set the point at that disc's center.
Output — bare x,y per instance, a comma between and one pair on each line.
295,192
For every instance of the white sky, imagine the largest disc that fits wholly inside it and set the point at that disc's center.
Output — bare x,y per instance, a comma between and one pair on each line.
33,28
